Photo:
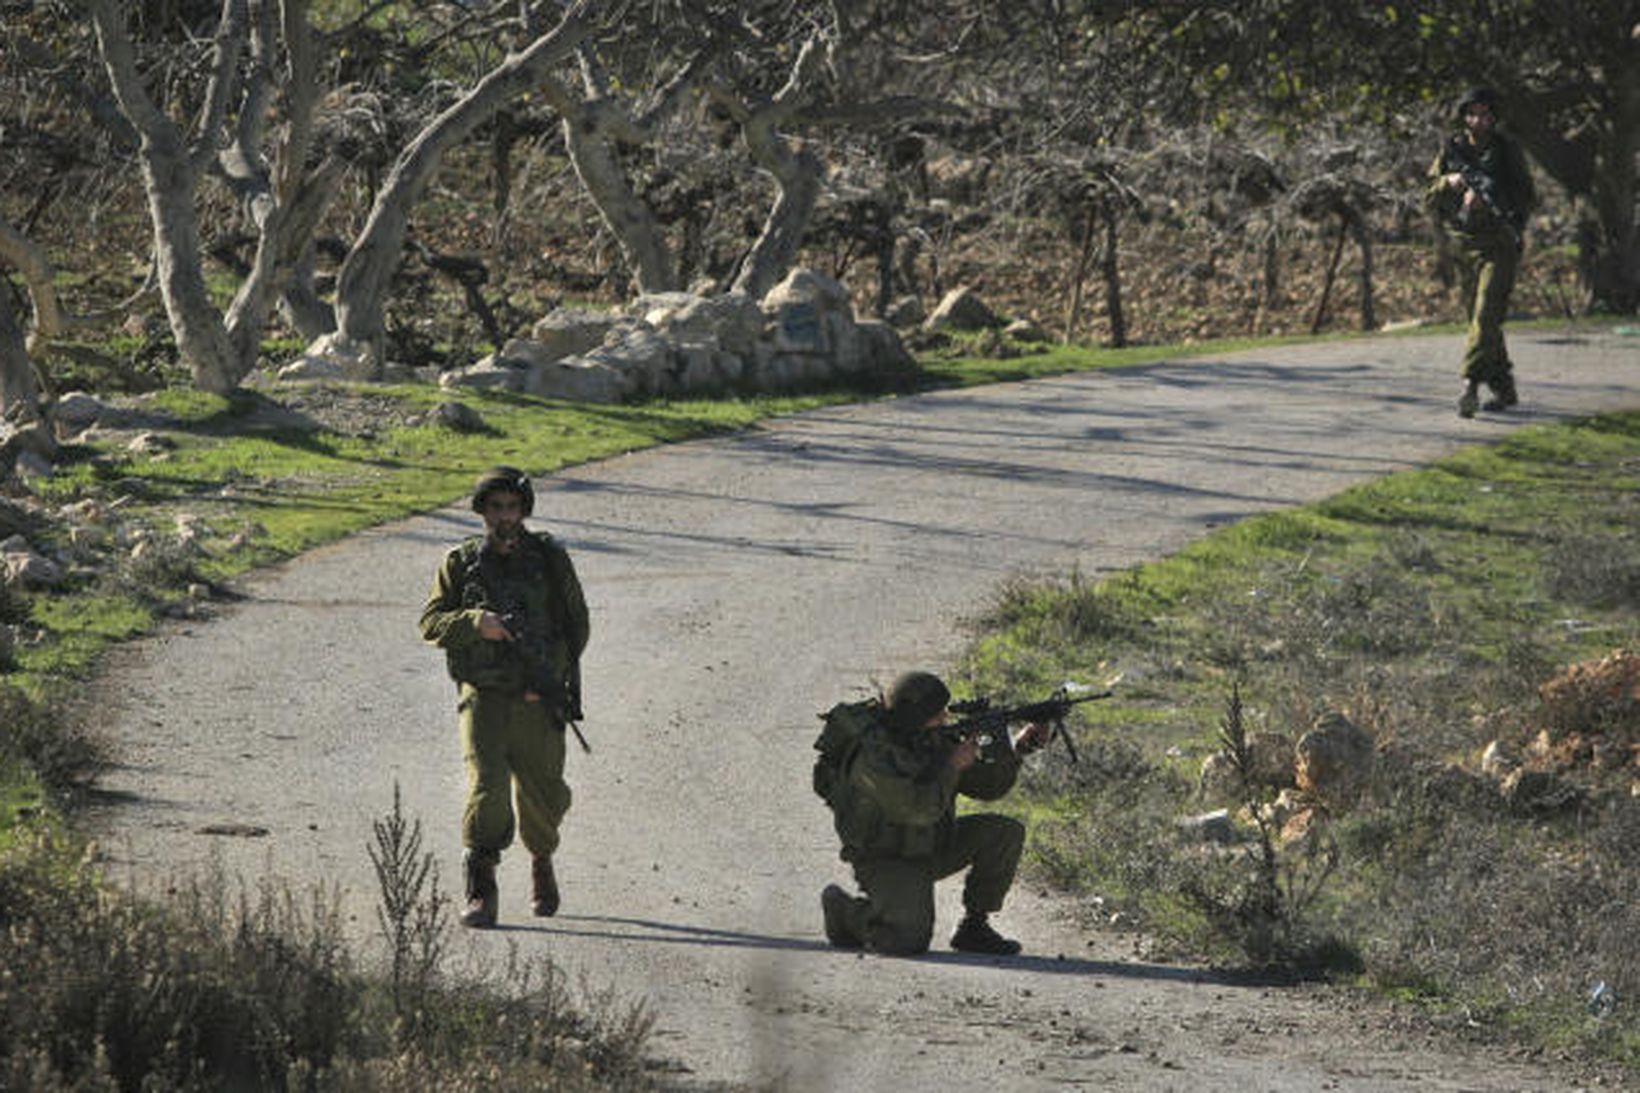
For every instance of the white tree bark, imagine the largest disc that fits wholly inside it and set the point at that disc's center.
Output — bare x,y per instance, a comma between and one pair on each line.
51,319
170,174
796,173
593,126
366,272
284,202
589,131
19,389
17,250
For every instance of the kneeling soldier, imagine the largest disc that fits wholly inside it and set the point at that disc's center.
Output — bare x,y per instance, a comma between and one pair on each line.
892,780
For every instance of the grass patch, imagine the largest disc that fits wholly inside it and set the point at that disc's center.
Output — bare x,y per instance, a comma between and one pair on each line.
1428,608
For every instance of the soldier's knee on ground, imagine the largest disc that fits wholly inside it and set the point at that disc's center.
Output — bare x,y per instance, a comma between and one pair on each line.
900,938
899,942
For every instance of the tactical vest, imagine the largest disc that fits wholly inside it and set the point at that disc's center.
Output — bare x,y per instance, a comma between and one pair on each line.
525,589
851,730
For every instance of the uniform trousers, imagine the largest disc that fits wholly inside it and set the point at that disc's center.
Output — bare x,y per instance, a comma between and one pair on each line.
511,747
1487,263
897,914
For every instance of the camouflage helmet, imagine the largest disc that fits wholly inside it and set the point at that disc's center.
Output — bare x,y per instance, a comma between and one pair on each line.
914,698
503,478
1485,96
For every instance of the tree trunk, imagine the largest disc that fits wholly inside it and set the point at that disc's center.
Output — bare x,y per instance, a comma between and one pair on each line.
300,305
29,260
1079,276
1363,239
1110,267
592,152
202,338
796,173
19,390
1614,267
361,289
885,267
1327,281
1269,295
1596,165
169,176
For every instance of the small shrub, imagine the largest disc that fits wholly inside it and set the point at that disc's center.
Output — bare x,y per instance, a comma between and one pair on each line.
412,911
44,735
156,573
1593,571
1070,613
1258,898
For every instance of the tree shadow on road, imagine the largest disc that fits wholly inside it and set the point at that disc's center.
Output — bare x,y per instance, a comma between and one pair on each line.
651,931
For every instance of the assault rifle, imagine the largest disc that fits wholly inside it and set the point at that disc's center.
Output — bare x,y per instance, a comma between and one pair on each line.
1485,187
532,649
981,720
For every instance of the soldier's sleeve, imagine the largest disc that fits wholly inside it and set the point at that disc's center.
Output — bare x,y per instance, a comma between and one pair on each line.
574,622
913,797
444,622
1437,198
988,781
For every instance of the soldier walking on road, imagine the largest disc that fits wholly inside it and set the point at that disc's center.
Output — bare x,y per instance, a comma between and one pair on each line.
1481,191
508,612
892,780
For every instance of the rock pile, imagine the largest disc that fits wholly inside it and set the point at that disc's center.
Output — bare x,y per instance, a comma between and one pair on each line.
1323,774
1587,735
804,331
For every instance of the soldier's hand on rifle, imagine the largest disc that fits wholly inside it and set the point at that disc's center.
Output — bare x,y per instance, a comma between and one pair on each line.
1032,737
966,753
1453,180
492,628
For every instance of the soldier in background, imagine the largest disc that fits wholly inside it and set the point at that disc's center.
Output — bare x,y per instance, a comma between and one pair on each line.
1481,192
892,783
508,612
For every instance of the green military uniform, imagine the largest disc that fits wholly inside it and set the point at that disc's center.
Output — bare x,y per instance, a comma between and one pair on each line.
508,740
895,812
1488,245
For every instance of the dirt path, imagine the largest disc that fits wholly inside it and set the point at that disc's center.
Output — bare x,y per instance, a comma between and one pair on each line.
737,587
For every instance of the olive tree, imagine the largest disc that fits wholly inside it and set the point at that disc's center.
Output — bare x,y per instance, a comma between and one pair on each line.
1568,77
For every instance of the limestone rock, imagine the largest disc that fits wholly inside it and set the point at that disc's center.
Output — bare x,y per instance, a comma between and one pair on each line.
76,411
1209,827
332,356
571,331
1334,761
491,372
458,416
1496,762
1025,330
27,567
962,309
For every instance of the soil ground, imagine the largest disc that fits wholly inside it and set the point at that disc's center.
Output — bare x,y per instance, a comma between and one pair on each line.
739,586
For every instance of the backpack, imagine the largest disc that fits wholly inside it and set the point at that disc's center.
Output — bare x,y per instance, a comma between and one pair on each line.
845,725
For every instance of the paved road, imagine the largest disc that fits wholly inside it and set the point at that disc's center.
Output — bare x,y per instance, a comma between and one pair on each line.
738,586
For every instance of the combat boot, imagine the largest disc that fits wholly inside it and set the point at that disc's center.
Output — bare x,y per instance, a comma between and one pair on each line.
1503,395
975,935
545,900
837,906
482,895
1470,400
